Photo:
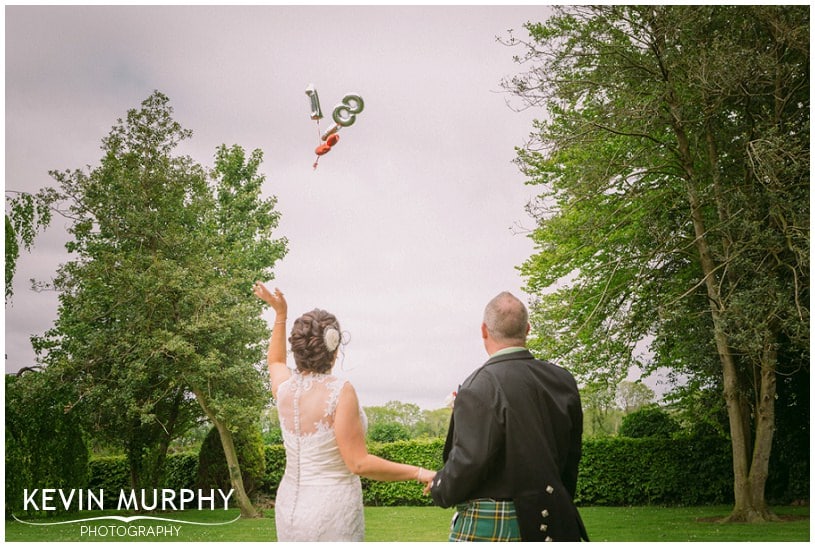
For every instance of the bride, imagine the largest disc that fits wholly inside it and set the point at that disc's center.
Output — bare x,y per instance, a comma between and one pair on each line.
320,495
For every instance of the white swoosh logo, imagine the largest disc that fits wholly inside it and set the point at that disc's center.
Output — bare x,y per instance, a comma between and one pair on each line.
126,519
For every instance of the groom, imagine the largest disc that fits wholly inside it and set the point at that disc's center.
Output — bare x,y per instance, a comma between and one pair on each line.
514,443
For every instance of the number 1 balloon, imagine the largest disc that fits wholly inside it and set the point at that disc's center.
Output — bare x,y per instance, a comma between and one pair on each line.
316,113
344,115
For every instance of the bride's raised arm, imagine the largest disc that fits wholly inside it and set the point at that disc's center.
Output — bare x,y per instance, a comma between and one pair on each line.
276,356
351,442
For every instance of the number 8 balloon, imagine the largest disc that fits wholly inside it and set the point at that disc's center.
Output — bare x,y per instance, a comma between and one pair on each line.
344,115
351,110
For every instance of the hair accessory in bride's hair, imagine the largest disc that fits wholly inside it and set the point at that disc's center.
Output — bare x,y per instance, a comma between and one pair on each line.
331,337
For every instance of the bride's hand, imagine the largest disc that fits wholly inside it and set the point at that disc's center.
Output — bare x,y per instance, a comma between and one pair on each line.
275,300
427,478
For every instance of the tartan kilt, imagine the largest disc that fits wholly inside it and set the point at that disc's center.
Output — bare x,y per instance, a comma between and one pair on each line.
485,520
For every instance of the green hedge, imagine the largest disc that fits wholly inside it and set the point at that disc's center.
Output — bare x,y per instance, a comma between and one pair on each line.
112,474
613,471
652,471
275,465
422,452
180,470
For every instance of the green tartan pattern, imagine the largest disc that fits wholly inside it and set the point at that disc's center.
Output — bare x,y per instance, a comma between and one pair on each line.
485,520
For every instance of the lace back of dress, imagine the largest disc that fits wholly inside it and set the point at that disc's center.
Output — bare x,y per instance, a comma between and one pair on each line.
306,406
307,403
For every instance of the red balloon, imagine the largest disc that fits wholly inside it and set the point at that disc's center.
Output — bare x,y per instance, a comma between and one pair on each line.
332,139
322,149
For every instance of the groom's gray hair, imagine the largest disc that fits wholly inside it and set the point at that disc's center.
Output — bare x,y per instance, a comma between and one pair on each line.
506,318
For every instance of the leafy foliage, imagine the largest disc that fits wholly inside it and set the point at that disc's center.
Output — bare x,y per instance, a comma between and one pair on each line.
181,471
156,316
401,421
111,474
434,423
790,463
27,214
388,432
687,470
601,417
45,447
212,468
633,395
651,421
407,415
275,467
652,471
673,165
422,452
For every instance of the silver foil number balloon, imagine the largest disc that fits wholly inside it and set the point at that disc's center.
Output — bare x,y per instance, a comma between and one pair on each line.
316,112
345,113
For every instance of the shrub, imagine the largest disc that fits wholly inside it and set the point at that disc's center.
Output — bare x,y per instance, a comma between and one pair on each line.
44,444
613,471
388,432
111,474
212,468
422,452
180,470
649,421
275,466
681,471
617,471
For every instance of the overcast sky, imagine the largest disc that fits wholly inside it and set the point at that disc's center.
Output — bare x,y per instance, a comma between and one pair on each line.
404,231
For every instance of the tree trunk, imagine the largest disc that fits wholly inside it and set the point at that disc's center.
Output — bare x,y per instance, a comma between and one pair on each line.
750,503
749,473
245,505
160,456
749,476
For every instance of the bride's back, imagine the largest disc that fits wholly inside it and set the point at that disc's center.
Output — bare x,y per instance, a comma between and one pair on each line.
307,405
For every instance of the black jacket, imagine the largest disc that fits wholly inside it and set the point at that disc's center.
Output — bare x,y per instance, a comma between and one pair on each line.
516,434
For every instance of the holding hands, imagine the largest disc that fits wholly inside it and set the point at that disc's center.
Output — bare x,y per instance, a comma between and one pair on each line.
426,477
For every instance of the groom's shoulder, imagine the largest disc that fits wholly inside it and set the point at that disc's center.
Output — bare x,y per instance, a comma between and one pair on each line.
495,367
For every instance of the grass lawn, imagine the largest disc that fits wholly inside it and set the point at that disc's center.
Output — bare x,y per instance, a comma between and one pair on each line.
425,524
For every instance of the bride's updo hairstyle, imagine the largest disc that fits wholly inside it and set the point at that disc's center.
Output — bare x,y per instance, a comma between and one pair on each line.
310,343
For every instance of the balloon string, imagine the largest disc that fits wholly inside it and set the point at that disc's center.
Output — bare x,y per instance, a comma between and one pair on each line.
318,142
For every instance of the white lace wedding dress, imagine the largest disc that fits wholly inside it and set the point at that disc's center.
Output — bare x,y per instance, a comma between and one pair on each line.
318,498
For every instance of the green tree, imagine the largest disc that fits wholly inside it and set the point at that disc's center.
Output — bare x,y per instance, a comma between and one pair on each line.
26,214
674,167
434,423
601,417
156,314
270,426
407,415
633,396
